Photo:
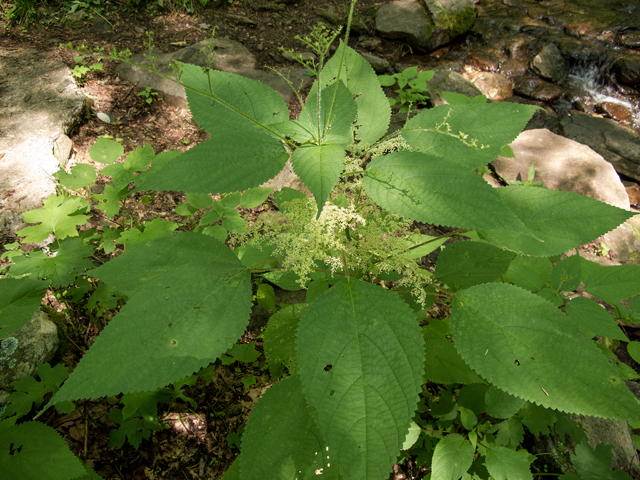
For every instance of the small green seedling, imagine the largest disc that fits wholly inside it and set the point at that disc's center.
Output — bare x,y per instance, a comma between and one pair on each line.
412,89
148,95
530,176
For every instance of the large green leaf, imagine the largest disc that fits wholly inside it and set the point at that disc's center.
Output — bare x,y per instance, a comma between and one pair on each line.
19,299
319,167
189,301
242,153
527,272
320,164
360,358
465,264
34,451
525,346
613,284
469,135
282,441
374,111
589,317
561,220
452,457
434,190
279,337
504,463
61,270
443,364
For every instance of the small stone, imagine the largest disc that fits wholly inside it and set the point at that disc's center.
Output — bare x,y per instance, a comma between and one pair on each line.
633,190
372,44
579,30
139,29
241,19
616,111
493,85
64,84
630,40
97,189
26,98
329,14
482,62
380,65
627,70
62,149
518,48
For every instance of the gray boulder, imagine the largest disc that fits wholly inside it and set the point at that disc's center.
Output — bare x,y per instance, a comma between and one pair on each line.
427,30
611,432
231,56
618,145
36,342
563,164
41,104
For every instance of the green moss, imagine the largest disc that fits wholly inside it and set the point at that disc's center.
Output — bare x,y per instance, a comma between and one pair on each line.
457,22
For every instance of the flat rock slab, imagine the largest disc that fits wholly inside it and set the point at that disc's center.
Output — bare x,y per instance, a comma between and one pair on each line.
563,164
230,56
617,144
39,105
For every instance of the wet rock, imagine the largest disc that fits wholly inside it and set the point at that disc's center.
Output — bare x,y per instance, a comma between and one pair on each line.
36,342
563,164
29,130
586,51
550,64
518,48
630,40
406,20
493,85
380,65
617,144
483,61
513,68
447,81
615,111
536,28
537,89
627,69
579,30
231,56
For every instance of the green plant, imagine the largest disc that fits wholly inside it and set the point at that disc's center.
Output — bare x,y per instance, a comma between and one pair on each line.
531,173
148,95
412,89
367,378
82,66
22,13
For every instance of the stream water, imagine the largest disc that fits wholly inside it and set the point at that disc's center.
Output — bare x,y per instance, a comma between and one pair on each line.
599,42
